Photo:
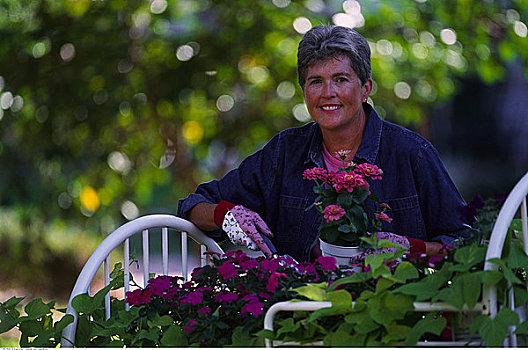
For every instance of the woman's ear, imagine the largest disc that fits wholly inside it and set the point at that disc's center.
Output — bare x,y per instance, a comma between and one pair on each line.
367,89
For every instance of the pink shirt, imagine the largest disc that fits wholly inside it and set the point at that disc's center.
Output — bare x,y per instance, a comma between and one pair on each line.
332,163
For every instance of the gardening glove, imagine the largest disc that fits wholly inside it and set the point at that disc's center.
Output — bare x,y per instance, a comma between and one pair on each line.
391,237
244,227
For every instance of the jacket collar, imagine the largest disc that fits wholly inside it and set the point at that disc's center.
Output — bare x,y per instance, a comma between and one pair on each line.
368,149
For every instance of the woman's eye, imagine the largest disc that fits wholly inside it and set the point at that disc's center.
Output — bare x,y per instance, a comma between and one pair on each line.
342,79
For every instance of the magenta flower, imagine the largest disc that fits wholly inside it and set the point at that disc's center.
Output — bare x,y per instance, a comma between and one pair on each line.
139,297
189,327
273,281
227,270
225,298
193,298
333,212
315,174
204,310
327,262
343,181
254,307
159,285
249,264
369,170
269,265
383,217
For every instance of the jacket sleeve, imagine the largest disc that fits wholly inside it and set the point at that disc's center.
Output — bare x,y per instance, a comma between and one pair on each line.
247,185
440,202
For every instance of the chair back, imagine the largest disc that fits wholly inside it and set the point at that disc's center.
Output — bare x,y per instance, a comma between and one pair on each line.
146,225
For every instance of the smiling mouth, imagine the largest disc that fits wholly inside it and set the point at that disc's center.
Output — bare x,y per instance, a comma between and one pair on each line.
330,107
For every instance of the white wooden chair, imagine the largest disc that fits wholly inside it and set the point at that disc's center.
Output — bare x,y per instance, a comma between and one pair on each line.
168,224
515,202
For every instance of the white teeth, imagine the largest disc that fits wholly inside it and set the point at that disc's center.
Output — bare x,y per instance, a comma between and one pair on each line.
330,108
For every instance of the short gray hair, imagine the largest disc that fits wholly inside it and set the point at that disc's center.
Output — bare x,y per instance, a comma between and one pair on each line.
323,42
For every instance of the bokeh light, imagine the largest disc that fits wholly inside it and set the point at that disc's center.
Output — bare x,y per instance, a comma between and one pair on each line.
286,90
281,3
225,103
67,52
348,20
300,112
129,210
402,90
6,100
119,162
448,36
158,6
520,29
192,131
315,5
89,199
302,25
184,52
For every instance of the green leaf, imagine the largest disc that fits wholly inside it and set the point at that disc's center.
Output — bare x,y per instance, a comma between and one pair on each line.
494,330
340,298
242,338
63,322
429,324
312,291
160,321
491,277
517,258
362,322
174,336
395,332
404,272
36,308
11,303
288,326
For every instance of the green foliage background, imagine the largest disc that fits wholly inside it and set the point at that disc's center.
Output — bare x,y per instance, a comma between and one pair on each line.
114,108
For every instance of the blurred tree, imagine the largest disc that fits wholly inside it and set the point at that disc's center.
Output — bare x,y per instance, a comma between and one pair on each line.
113,108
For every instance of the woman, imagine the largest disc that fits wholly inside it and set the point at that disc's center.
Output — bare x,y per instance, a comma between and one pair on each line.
335,76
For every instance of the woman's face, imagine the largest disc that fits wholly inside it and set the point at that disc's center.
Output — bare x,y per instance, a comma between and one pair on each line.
334,95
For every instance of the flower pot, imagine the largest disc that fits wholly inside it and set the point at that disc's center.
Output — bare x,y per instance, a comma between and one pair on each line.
341,253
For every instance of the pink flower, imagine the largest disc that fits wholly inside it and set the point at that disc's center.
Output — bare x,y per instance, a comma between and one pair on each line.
227,270
273,281
383,217
189,327
333,212
369,170
315,174
343,181
194,298
254,307
204,310
327,262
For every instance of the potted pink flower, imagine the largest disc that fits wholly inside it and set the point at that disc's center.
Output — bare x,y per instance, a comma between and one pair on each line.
340,200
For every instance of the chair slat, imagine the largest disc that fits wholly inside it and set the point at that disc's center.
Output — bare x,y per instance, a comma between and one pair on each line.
107,282
126,259
203,258
146,264
165,249
184,255
524,222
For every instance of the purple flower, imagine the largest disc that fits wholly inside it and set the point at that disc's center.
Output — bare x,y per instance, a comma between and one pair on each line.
227,270
273,281
204,310
194,298
327,262
269,265
224,297
159,285
189,327
139,297
254,307
249,264
250,297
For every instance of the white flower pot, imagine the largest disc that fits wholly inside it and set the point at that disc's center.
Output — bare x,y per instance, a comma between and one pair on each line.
341,253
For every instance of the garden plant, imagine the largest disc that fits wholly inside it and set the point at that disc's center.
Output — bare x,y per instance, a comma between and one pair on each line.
224,303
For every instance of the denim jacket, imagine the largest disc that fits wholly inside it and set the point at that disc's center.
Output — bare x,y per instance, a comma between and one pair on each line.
424,202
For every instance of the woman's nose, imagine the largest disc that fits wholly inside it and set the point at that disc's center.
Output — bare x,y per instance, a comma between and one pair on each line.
328,89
